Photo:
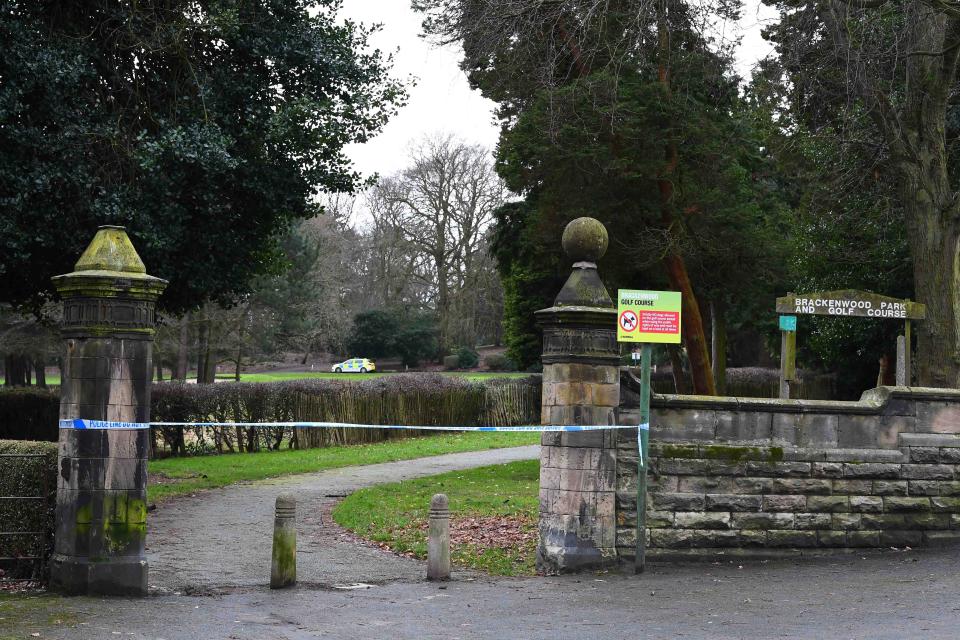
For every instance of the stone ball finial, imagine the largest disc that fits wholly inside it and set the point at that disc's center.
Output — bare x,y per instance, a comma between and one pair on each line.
439,501
585,240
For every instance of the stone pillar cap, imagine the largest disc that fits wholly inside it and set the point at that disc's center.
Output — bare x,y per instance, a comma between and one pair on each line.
110,257
111,250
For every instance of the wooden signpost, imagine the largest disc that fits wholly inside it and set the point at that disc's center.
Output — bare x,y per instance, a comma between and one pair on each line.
646,317
844,304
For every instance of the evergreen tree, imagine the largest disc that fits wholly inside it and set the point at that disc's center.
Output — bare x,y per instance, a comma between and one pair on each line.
205,127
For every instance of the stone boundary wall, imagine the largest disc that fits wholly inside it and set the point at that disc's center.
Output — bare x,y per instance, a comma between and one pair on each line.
753,476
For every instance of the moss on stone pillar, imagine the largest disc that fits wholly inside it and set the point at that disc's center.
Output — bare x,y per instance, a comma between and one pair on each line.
108,326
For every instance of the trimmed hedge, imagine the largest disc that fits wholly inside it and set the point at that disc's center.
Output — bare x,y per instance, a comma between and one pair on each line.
414,399
27,478
29,414
429,399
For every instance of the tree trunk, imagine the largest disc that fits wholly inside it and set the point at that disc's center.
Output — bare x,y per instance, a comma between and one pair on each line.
443,307
934,233
40,373
694,338
183,347
210,375
676,363
201,350
16,371
718,344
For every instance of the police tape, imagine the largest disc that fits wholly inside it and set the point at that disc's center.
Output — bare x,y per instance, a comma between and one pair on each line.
85,424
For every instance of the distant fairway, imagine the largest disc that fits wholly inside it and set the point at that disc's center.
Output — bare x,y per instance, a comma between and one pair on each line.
301,375
54,379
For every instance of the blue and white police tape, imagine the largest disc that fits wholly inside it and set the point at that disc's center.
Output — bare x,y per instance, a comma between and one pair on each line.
640,429
83,424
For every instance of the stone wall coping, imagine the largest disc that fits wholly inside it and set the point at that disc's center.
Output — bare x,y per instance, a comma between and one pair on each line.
872,402
733,453
929,440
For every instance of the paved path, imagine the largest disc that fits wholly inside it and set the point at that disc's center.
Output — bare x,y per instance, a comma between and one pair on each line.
222,539
877,596
216,546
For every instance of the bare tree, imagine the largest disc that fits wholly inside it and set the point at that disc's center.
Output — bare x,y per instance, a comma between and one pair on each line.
441,206
395,273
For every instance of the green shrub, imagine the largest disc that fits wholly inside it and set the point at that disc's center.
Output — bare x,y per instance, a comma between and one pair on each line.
29,414
468,358
411,336
499,362
451,362
27,477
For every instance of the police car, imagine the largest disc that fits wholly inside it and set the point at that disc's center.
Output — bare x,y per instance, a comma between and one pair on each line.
354,365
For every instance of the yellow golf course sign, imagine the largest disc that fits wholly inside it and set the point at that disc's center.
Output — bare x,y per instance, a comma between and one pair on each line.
648,316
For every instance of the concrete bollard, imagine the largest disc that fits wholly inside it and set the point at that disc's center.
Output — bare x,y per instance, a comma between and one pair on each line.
283,566
438,542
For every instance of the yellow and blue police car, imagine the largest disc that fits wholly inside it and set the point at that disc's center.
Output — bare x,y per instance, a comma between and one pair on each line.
354,365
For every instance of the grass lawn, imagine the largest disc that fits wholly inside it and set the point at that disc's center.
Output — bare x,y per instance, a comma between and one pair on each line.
493,516
322,375
177,476
54,379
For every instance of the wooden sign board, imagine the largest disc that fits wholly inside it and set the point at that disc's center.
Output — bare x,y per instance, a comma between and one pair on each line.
850,303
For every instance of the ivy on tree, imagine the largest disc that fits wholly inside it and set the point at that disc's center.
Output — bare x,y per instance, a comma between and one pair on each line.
204,127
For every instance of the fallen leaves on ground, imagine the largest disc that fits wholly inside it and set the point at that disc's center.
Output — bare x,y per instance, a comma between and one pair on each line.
493,532
19,586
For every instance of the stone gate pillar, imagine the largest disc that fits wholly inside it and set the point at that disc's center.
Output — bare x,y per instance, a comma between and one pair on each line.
108,324
581,386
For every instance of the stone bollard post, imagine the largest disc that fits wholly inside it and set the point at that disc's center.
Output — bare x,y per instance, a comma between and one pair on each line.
438,542
101,515
581,386
283,565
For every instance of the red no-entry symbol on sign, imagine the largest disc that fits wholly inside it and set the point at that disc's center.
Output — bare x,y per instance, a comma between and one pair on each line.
628,320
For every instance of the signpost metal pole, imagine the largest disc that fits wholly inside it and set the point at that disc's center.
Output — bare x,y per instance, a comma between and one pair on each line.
643,437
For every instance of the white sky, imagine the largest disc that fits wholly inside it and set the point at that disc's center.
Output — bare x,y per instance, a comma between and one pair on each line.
441,101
